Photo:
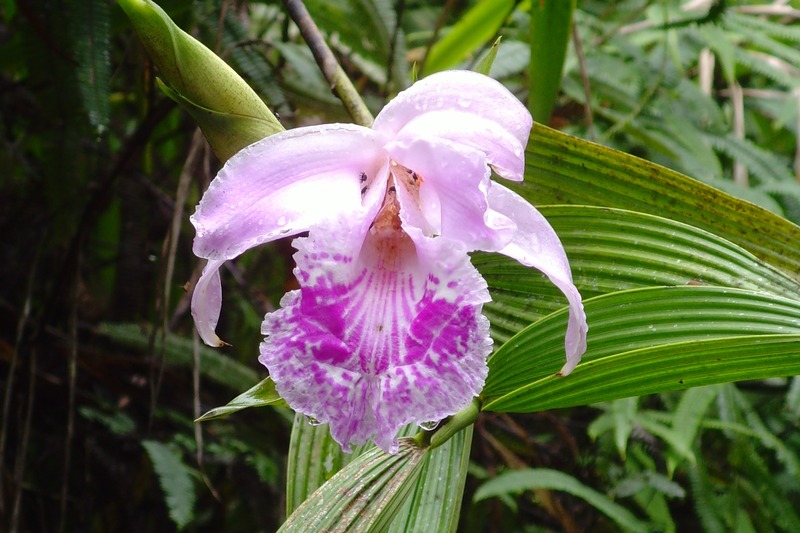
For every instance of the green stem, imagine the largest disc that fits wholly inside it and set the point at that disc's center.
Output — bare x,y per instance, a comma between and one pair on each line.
331,69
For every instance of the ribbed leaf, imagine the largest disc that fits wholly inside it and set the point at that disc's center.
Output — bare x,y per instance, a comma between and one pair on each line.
364,496
563,169
612,250
544,478
314,458
646,341
435,503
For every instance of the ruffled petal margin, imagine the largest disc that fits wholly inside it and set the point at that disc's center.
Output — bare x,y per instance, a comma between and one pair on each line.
536,244
383,332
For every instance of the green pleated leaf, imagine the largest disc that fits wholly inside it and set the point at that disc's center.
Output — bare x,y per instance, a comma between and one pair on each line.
544,478
561,169
314,458
646,341
261,395
435,502
551,27
364,496
473,30
612,250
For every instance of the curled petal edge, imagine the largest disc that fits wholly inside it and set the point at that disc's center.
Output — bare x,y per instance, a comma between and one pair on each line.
537,245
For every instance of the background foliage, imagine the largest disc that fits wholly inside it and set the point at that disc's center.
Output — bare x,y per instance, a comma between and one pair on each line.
103,377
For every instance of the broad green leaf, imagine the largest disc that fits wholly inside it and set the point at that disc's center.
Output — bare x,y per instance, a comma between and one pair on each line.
612,250
314,458
214,364
473,30
645,341
662,368
544,478
261,395
365,495
435,503
175,480
563,169
551,27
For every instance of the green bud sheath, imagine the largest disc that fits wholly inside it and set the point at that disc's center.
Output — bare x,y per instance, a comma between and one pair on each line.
229,112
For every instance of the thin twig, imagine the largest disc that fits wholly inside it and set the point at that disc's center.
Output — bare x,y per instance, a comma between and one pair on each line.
19,467
198,427
72,373
21,325
331,69
399,10
448,7
587,90
797,138
737,104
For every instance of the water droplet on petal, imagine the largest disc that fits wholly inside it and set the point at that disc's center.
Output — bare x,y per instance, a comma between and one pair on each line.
429,426
463,102
282,221
312,421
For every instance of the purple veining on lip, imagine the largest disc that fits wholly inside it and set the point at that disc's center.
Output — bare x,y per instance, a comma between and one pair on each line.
386,328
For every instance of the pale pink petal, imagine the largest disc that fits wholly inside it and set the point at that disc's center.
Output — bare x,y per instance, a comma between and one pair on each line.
379,335
456,90
207,302
280,186
536,244
452,192
504,151
286,183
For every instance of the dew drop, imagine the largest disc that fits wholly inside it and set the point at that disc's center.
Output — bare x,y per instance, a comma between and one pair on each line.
312,421
429,426
282,221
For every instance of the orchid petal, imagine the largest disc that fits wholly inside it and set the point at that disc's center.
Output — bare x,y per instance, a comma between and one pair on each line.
379,335
456,90
285,184
453,188
207,302
536,244
504,151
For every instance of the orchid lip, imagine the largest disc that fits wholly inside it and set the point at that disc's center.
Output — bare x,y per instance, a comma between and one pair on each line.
386,327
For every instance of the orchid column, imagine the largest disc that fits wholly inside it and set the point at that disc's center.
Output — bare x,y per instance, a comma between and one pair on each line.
386,328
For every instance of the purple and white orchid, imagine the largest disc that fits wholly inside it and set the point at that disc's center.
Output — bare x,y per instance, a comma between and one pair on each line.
386,328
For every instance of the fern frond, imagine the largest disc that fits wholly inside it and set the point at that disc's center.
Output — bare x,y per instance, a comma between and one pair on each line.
175,481
764,165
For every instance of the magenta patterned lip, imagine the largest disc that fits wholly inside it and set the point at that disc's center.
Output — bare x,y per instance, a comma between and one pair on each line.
386,328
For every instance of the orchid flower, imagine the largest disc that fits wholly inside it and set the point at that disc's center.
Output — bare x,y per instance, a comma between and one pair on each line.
386,328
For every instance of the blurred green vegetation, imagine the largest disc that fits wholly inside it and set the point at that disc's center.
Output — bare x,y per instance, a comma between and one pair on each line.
98,364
